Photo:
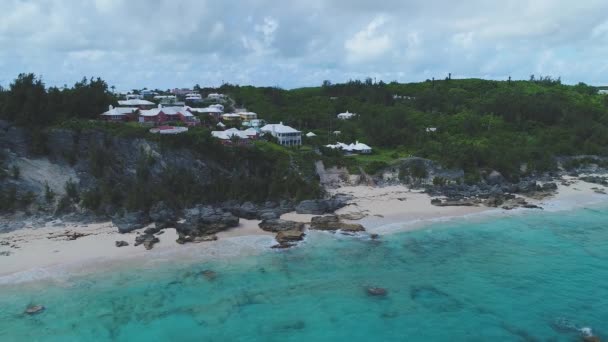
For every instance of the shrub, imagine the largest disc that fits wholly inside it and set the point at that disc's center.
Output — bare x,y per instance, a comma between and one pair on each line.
15,172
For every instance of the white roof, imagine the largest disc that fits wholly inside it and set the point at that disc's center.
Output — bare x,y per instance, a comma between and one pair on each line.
247,113
209,109
169,130
310,134
120,111
361,147
346,115
167,110
221,124
230,133
135,102
279,128
351,147
229,115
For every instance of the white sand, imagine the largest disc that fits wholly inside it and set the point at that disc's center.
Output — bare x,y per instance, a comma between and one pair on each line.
386,210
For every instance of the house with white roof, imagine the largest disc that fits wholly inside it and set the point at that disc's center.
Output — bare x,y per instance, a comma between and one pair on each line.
160,115
194,97
234,136
346,116
248,116
119,114
286,136
357,147
310,135
211,111
231,117
215,96
139,103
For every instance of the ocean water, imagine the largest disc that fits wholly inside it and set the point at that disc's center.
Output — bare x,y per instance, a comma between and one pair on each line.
533,277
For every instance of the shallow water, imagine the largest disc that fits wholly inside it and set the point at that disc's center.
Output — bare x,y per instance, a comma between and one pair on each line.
533,277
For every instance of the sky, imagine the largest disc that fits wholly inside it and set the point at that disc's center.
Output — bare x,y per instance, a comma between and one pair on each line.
179,43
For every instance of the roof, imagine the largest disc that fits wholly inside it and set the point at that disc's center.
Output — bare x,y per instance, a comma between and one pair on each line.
167,110
169,130
279,128
351,147
120,111
135,102
209,109
346,115
230,133
310,134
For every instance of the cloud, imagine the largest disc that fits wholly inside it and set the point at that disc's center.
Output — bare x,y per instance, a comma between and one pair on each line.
368,43
171,43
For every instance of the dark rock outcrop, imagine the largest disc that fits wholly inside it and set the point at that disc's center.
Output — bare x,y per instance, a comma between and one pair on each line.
332,222
182,239
376,291
278,225
323,206
163,216
34,309
205,220
131,221
288,238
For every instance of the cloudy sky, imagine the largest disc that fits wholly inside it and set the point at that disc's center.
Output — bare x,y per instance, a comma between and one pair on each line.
178,43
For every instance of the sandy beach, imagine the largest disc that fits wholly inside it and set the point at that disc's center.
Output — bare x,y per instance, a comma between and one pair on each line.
382,210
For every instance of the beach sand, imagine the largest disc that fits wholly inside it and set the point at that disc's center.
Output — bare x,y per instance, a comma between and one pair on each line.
382,210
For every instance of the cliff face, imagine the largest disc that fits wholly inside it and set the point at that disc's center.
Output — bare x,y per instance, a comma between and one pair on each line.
91,160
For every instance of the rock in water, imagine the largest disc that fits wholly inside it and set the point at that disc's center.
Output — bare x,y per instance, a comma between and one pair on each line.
34,309
209,274
377,291
332,222
121,243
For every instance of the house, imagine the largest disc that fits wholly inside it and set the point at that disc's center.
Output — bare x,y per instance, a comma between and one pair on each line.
211,111
134,97
148,93
603,92
119,114
168,130
161,115
218,106
357,147
215,96
231,117
234,136
256,123
287,136
181,92
194,97
248,116
431,129
310,135
346,116
141,104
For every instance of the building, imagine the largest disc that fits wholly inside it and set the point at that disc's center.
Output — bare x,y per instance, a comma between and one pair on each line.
231,117
215,96
120,114
168,130
161,115
194,97
286,136
603,92
181,92
248,116
211,111
134,97
346,116
234,136
431,129
357,147
141,104
310,135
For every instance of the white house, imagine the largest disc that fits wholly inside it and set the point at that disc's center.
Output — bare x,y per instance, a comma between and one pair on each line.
119,113
431,129
233,135
141,104
310,135
194,97
346,116
357,147
603,92
215,96
287,136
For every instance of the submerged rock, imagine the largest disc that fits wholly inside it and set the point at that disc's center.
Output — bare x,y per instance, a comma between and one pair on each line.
34,309
377,291
209,275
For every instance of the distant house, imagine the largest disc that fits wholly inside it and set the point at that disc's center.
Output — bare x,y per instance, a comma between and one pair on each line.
119,114
181,92
346,116
603,92
161,115
310,135
357,147
211,111
194,97
231,117
248,116
141,104
431,129
134,97
215,96
168,130
234,136
286,136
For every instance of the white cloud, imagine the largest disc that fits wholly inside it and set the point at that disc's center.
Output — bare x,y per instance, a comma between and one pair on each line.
368,44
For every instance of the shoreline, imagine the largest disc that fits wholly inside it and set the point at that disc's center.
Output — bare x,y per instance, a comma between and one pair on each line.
47,253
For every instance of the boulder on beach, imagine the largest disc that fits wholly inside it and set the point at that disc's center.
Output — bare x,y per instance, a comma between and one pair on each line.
147,240
278,225
162,215
121,243
323,206
182,239
288,238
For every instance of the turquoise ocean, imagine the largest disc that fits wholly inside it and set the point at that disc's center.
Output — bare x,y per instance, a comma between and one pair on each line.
538,276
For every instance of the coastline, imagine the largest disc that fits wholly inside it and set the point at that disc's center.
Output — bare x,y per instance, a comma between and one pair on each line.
48,253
